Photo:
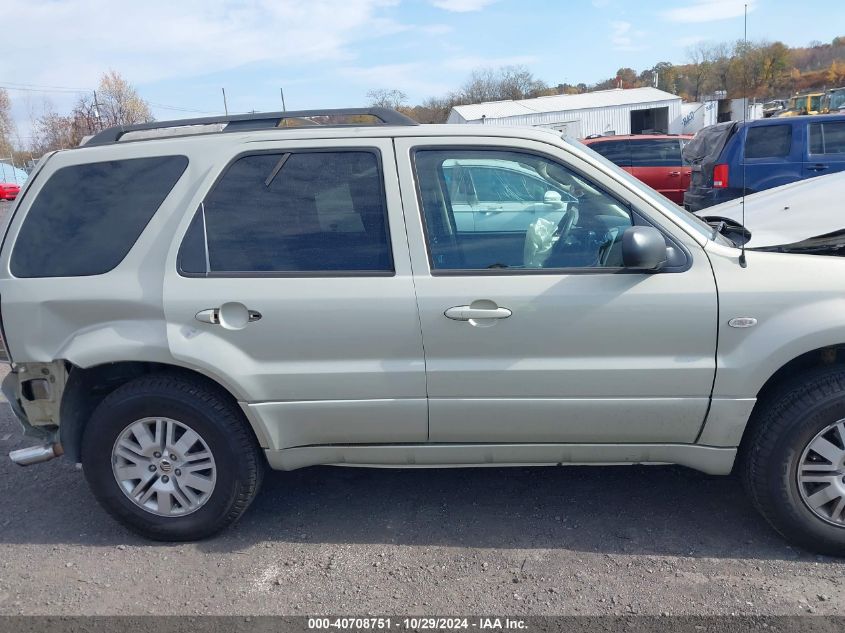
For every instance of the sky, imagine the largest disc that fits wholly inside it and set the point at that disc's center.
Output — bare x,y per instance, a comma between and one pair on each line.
330,53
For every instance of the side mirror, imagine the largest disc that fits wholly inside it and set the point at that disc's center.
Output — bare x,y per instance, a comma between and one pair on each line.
643,248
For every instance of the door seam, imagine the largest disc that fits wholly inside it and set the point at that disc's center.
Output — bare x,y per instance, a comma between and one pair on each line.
416,295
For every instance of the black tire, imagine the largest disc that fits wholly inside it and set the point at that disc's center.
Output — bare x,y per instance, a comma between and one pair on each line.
781,428
204,408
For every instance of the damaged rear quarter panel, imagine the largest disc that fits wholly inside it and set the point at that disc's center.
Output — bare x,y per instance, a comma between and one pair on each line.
93,320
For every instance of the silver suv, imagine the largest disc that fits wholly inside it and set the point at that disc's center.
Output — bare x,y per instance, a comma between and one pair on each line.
187,303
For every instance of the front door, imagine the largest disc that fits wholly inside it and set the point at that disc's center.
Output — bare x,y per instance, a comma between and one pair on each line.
292,286
543,336
826,148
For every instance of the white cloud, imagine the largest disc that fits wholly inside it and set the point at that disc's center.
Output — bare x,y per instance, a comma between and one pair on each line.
709,10
76,40
624,38
461,6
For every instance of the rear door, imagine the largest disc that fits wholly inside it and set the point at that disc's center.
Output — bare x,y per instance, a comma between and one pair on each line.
657,162
825,148
292,285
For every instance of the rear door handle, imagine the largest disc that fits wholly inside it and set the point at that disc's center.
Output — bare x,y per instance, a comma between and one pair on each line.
468,313
232,316
674,173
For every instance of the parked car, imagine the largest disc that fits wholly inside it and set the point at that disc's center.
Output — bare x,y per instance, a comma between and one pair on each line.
9,190
501,195
654,159
801,217
182,312
729,158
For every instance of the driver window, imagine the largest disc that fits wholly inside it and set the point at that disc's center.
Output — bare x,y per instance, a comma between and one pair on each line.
489,209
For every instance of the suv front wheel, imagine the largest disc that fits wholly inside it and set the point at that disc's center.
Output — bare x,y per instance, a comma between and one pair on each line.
794,461
171,458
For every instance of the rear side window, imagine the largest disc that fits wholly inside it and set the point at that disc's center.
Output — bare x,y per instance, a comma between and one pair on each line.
86,218
768,141
655,152
308,212
827,138
617,152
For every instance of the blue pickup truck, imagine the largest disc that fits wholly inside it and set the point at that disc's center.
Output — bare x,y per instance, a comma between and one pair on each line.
728,158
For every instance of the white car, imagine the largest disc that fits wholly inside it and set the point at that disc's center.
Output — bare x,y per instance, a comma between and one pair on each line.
501,195
803,216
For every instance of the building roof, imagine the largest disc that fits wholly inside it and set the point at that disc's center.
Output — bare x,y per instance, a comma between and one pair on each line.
561,103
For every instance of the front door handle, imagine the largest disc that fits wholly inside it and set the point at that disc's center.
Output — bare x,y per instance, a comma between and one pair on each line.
469,313
674,173
818,167
231,316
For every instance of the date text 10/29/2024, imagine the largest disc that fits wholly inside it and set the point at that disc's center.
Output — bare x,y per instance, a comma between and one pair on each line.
420,623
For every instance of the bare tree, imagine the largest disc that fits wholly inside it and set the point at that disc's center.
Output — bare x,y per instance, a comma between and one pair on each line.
383,98
701,56
117,103
53,131
7,125
498,84
517,82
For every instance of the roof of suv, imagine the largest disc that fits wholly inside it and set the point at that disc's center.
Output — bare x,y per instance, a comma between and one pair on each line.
181,143
272,126
792,120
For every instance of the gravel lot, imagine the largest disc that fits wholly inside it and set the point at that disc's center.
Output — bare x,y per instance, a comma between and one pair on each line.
517,541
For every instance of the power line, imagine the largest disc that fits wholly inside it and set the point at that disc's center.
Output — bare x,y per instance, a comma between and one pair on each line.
180,108
29,85
45,89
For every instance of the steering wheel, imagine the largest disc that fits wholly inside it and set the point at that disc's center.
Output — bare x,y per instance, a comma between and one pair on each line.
564,227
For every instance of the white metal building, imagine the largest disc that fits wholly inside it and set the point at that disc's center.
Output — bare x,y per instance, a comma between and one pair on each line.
618,111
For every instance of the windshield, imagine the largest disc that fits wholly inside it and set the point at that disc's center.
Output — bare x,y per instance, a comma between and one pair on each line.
687,219
837,99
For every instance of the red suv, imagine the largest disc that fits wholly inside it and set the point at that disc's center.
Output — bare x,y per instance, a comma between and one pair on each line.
653,158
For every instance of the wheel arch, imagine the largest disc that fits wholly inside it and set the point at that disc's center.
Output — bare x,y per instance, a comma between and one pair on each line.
87,386
828,356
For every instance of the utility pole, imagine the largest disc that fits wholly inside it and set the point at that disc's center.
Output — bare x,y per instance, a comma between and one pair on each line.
282,92
97,111
225,105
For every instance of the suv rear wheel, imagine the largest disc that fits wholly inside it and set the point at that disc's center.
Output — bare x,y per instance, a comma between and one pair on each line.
171,458
794,464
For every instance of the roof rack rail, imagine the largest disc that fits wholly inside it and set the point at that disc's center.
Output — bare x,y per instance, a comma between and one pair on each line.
255,121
